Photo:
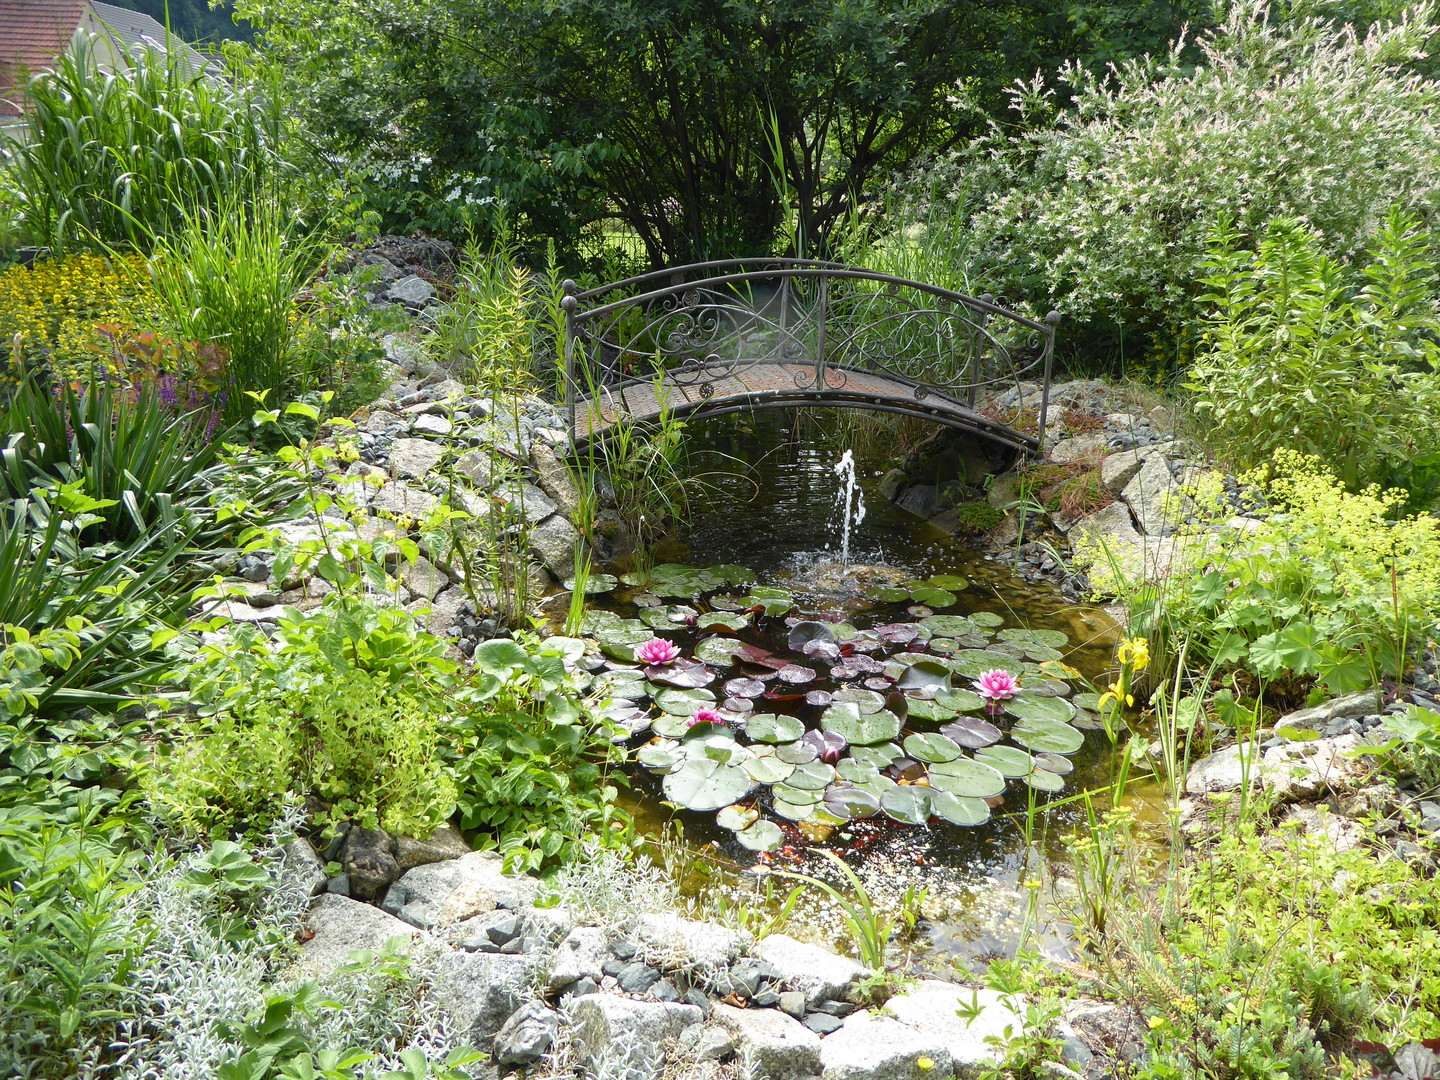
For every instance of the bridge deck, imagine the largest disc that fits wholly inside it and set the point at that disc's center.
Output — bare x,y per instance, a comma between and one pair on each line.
774,385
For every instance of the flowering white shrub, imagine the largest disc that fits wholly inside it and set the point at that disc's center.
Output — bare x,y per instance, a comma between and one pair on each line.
1103,210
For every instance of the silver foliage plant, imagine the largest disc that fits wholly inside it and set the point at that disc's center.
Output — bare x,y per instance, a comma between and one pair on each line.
190,982
1104,209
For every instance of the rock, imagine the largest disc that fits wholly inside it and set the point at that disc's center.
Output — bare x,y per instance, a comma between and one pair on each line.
778,1046
933,1007
444,843
412,290
431,424
581,955
527,1035
339,885
475,933
1007,533
1153,495
673,941
413,458
526,499
1118,470
891,483
555,479
480,991
239,612
444,893
1304,770
368,857
819,973
793,1002
548,924
1067,450
423,580
665,990
637,978
918,499
477,467
299,864
1346,707
404,352
1109,524
823,1023
714,1044
1429,815
1224,770
444,610
400,498
1338,833
601,1021
340,926
553,541
871,1047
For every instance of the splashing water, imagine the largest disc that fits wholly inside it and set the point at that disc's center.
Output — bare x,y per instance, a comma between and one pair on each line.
852,503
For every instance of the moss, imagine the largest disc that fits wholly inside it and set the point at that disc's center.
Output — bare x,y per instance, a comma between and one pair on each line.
974,518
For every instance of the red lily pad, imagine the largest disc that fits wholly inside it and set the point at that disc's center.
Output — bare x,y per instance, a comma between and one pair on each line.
820,698
744,688
796,674
972,732
686,674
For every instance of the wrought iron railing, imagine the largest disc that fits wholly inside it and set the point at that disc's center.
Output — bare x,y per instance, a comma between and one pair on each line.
701,322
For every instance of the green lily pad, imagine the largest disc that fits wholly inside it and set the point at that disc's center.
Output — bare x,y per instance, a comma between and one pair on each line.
877,757
661,757
796,753
672,727
624,653
888,595
794,811
972,732
729,620
860,729
960,700
736,818
774,728
857,772
703,784
767,768
931,748
1089,701
684,702
1047,736
848,801
1052,638
1007,760
812,776
1048,688
1060,766
1027,706
926,709
797,796
926,675
730,574
908,805
953,582
762,836
987,619
972,663
969,777
1044,780
718,649
952,626
959,809
935,598
867,701
1042,653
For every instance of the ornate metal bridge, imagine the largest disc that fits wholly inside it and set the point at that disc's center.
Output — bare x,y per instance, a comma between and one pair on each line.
744,334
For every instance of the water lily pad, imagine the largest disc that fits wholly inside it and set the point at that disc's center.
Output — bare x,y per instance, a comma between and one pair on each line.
1089,701
944,646
926,675
718,649
774,728
736,818
1053,638
812,776
656,618
767,768
762,836
828,745
1044,780
1007,760
856,771
796,753
860,729
972,732
987,619
729,620
1006,649
660,756
1027,706
797,796
960,700
935,598
794,811
704,784
907,805
959,809
1042,653
819,698
866,701
745,688
1087,721
972,663
686,674
731,575
1060,766
849,802
931,748
926,709
619,651
671,727
951,626
876,756
807,631
953,582
969,777
796,674
886,594
1047,736
622,684
1048,688
685,702
919,611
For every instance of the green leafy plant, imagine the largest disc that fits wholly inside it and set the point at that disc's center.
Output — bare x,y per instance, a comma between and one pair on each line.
869,929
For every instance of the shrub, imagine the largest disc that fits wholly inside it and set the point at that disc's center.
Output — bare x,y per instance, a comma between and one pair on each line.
1103,210
124,157
1304,352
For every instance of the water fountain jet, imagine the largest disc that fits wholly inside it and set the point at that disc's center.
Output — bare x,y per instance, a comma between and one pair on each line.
852,503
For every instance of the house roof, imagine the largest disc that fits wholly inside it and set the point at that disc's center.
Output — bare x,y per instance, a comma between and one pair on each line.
136,31
32,34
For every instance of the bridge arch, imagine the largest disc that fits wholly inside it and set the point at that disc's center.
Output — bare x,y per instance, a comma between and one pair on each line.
735,335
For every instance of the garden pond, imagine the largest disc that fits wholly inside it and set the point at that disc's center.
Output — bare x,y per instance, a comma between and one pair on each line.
783,700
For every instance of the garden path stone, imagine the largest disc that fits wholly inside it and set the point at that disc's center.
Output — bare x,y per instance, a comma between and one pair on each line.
600,1021
444,893
819,973
871,1047
444,843
413,458
369,858
480,991
341,926
674,941
933,1007
299,864
527,1035
780,1047
582,955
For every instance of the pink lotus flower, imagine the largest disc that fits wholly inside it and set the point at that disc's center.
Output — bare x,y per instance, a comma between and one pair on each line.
657,651
997,685
706,716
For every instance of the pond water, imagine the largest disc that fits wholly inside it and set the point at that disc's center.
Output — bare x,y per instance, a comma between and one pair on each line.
909,595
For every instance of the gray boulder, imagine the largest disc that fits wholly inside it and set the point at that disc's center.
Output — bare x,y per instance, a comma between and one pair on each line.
1117,470
398,497
413,458
444,893
933,1007
1345,707
411,290
444,843
527,1035
477,467
1153,495
423,580
581,955
605,1023
1067,450
878,1048
432,424
480,991
821,974
674,941
299,864
780,1047
339,926
555,479
553,541
369,858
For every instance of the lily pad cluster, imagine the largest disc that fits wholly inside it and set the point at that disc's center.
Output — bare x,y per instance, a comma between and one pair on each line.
816,722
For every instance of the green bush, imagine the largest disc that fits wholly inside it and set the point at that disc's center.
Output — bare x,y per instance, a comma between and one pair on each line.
123,158
1307,353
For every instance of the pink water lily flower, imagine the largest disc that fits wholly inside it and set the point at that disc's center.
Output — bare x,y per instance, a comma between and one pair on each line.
658,651
706,716
997,685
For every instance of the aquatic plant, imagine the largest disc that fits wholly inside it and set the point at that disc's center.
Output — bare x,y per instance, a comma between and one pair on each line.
658,651
997,685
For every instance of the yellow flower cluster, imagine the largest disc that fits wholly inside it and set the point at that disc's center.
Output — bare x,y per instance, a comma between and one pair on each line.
50,311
